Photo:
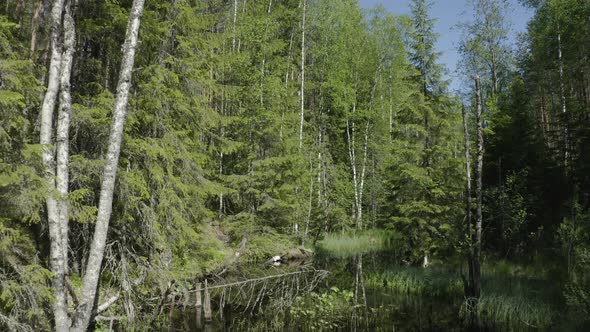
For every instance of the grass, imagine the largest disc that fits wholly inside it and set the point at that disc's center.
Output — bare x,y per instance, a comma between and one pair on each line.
513,300
419,282
510,312
347,245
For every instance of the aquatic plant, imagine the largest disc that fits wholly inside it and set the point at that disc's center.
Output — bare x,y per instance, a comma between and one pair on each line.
347,245
509,312
419,281
323,311
513,300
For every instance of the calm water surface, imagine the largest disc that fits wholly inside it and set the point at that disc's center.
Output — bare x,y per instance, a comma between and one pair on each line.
368,293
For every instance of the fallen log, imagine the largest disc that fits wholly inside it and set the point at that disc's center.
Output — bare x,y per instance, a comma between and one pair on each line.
295,254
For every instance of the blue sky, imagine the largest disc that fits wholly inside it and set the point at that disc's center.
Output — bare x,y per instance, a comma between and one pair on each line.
448,13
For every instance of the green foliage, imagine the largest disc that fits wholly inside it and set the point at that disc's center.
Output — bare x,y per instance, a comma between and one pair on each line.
574,238
507,213
263,241
423,177
24,291
327,310
211,152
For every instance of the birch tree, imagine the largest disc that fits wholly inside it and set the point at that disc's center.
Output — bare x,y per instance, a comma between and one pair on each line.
90,280
57,249
302,91
63,128
468,218
485,46
476,265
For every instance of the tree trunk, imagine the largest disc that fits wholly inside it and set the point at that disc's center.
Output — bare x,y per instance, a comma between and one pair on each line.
563,103
478,192
494,70
46,139
468,200
233,41
310,206
63,129
92,275
302,94
352,156
35,24
390,115
357,179
359,207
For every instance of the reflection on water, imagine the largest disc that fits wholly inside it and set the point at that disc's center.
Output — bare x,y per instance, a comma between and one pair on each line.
364,293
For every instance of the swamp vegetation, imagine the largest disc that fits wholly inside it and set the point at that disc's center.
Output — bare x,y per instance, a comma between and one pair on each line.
292,165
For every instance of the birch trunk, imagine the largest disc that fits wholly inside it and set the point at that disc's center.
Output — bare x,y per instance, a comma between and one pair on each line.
357,179
352,157
562,97
494,70
46,139
310,206
390,116
359,207
478,192
63,129
468,199
91,277
233,41
301,112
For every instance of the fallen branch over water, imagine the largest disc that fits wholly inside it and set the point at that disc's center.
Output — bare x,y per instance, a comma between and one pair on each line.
321,274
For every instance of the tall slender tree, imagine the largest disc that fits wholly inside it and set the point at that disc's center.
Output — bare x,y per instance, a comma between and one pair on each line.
46,139
96,253
476,240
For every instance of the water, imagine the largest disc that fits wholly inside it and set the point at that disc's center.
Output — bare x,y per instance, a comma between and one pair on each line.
370,293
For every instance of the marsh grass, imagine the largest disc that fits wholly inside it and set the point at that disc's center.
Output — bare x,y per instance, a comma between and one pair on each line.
513,313
348,245
513,300
419,282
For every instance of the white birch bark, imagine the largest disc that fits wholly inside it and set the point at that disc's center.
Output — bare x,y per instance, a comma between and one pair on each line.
468,221
233,41
562,95
359,207
357,179
352,156
96,254
309,208
467,171
302,92
46,139
243,14
390,116
63,129
478,191
289,58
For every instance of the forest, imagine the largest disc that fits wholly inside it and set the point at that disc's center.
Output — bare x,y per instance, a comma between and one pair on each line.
154,151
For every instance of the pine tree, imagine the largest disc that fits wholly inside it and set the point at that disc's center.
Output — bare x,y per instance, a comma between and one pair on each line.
425,172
